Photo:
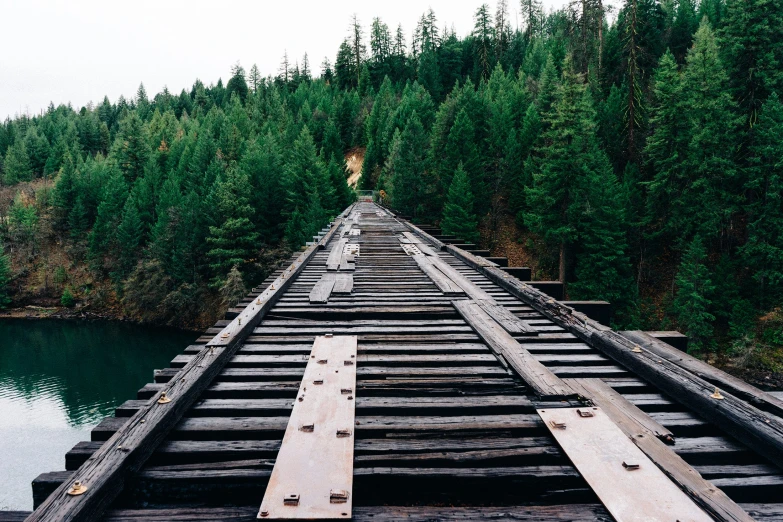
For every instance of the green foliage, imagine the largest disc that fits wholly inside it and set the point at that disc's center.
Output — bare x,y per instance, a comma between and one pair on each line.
763,251
67,299
6,276
693,299
564,164
233,241
753,50
612,154
458,217
17,166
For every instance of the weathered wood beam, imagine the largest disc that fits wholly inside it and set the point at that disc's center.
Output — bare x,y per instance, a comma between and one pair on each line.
761,399
128,449
444,284
760,431
540,379
646,434
323,289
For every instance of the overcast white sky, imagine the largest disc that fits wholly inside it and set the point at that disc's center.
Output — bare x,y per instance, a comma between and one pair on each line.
80,50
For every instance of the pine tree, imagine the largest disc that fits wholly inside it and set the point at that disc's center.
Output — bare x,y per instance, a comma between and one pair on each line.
685,24
129,236
763,252
666,146
692,302
483,59
38,150
131,148
562,163
255,79
6,275
103,237
78,221
710,194
237,83
411,185
234,289
462,148
752,47
458,217
234,240
603,267
17,166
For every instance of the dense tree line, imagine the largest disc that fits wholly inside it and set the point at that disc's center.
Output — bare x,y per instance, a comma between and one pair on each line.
178,199
638,150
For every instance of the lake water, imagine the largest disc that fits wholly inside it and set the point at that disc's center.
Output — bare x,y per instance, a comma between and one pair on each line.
58,379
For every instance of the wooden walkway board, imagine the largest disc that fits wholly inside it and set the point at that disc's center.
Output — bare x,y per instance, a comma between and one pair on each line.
343,283
627,482
471,289
335,255
323,288
444,284
313,474
510,322
650,437
540,378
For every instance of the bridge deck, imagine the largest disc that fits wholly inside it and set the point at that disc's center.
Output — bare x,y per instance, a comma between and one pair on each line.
443,429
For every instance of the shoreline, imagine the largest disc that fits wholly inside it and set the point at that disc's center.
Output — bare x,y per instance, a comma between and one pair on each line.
33,312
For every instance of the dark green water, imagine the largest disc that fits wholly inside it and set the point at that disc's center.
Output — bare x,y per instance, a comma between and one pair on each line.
58,379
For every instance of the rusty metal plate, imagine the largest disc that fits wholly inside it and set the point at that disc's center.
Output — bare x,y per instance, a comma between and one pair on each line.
628,483
313,474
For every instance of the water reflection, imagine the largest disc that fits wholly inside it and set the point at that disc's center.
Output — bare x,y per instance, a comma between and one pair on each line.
60,378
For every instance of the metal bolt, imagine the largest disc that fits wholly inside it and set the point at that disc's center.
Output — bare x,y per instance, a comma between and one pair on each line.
717,395
77,489
264,513
163,399
557,425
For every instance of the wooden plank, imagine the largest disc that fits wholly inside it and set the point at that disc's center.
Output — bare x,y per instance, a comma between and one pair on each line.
130,447
343,283
649,436
323,289
446,285
540,379
423,246
561,513
470,288
761,399
333,261
759,430
313,473
510,322
628,484
471,260
615,405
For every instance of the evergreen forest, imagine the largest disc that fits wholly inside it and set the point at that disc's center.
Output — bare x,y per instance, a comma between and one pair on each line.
635,152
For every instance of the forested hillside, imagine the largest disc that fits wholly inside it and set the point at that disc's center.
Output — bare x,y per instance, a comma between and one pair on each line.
637,152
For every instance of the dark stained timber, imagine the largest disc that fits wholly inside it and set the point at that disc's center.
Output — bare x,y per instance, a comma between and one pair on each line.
454,356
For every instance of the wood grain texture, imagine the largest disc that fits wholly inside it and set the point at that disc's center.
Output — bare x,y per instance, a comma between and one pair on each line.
545,383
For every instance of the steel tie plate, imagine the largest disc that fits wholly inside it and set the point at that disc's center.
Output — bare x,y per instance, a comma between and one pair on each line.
627,482
313,475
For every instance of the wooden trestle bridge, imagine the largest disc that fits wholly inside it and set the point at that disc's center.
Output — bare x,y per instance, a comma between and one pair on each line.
385,374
